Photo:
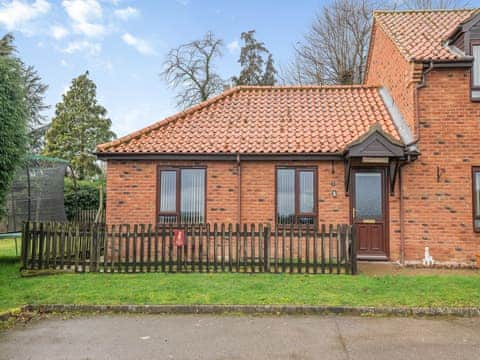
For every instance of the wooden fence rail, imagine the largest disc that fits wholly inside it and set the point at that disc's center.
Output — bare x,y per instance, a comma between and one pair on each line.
189,248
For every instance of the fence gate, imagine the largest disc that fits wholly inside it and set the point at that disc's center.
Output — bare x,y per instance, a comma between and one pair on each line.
189,248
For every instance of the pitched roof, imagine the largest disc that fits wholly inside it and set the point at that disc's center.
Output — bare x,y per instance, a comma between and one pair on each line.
264,119
421,35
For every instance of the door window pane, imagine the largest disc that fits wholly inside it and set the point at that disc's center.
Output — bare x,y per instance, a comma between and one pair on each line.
477,195
476,65
285,196
368,196
168,191
306,187
192,209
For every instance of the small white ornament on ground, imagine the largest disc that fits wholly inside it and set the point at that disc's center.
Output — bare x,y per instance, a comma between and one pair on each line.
428,259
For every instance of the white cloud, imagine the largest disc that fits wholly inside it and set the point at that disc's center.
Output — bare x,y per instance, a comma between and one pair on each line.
16,14
89,29
63,63
142,46
233,46
84,46
58,31
126,13
86,16
183,2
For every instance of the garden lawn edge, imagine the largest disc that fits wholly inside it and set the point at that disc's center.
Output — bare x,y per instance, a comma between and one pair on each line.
257,310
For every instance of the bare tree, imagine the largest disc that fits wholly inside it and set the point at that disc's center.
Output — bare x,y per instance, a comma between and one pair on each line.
190,69
334,51
335,48
434,4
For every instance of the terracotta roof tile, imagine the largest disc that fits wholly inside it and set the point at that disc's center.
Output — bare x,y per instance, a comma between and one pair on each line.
279,119
420,35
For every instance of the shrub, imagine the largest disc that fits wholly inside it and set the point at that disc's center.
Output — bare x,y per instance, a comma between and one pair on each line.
85,196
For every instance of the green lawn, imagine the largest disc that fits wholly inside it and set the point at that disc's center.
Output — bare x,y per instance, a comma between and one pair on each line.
158,288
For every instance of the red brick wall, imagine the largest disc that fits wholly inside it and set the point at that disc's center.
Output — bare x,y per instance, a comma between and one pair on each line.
388,68
258,192
439,213
131,191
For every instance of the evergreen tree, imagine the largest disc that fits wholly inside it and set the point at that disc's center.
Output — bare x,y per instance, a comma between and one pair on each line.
270,72
255,71
6,45
13,123
34,91
79,125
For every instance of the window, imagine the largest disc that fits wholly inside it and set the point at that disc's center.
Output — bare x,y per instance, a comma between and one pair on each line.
476,198
296,196
181,196
475,81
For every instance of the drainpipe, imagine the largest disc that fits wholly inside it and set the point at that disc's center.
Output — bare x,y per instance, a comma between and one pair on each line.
402,216
239,187
422,84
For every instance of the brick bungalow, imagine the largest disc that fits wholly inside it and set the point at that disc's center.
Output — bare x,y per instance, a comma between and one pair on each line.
398,156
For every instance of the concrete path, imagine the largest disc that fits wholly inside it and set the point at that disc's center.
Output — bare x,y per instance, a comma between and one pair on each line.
242,337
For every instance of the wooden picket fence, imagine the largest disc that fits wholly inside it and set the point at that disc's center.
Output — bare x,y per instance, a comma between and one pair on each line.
87,216
189,248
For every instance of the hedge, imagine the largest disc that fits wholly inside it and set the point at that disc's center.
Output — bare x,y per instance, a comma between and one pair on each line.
86,195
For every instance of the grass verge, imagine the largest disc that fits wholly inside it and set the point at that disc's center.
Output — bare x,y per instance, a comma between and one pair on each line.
158,288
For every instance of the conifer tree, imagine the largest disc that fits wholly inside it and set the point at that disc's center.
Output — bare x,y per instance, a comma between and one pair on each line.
79,125
13,123
34,90
254,69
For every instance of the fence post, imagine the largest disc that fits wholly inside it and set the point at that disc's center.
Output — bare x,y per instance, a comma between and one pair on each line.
266,249
353,250
25,239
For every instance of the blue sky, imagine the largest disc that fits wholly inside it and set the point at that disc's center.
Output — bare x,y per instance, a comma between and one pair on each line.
123,44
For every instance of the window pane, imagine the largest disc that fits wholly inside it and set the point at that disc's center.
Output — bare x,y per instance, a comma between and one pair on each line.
168,191
368,196
476,65
477,195
167,219
285,196
306,191
192,209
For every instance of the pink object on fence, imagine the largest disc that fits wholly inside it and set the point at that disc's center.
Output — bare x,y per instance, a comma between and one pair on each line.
179,236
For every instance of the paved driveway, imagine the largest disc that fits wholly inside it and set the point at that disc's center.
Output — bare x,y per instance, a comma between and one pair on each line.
242,337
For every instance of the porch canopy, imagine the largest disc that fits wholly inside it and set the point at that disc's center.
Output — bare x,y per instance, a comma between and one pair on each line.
376,148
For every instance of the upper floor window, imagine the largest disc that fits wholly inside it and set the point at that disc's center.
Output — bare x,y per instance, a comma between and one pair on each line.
181,196
296,196
475,48
476,198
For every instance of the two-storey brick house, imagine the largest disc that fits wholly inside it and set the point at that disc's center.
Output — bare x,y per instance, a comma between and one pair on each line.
399,156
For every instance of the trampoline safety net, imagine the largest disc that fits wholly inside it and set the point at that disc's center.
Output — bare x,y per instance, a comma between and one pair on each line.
36,193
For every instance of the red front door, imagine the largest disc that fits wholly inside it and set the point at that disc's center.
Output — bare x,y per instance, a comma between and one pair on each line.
369,213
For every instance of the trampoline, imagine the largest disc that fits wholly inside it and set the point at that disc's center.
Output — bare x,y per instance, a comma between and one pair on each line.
36,194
